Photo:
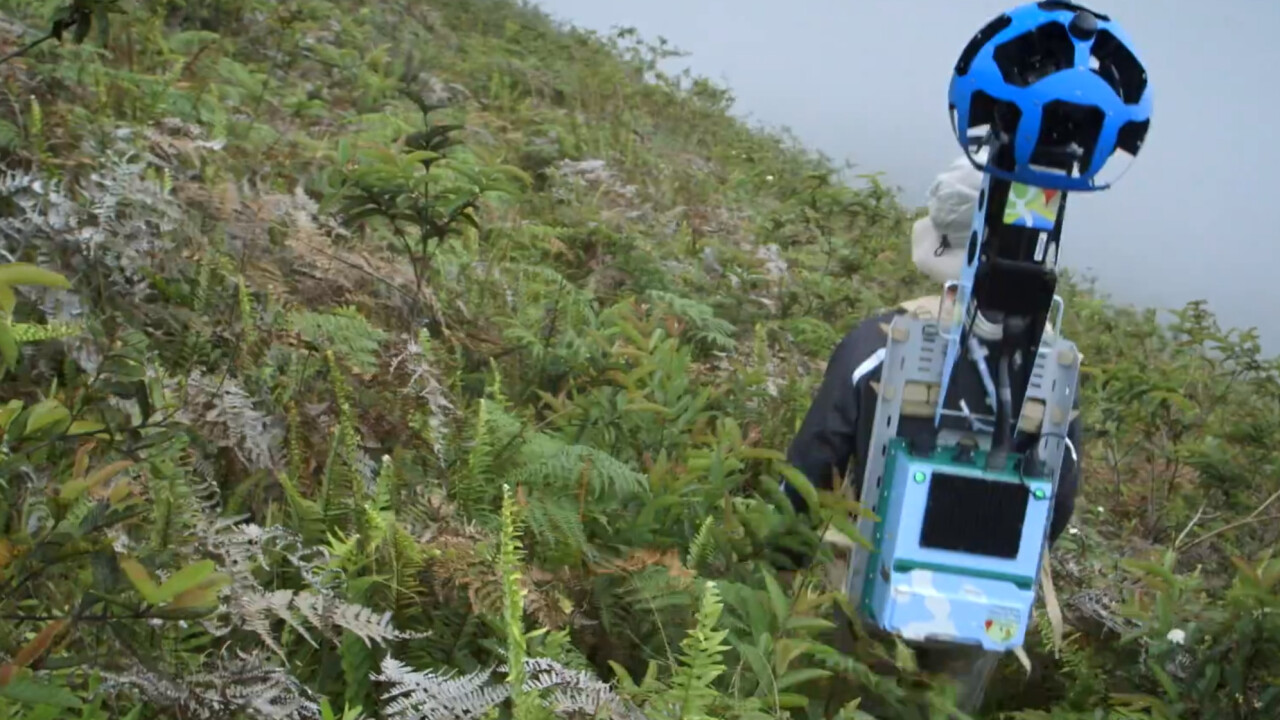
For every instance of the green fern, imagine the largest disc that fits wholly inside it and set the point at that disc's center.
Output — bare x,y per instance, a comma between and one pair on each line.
692,694
1086,683
295,442
10,135
308,516
706,330
348,440
472,488
702,546
343,331
548,462
359,665
526,704
178,509
30,332
248,326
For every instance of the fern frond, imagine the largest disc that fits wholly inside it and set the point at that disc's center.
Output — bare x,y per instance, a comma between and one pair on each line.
547,462
509,560
308,517
419,695
554,523
473,489
701,661
347,439
707,330
407,562
701,548
345,332
573,692
55,330
358,667
224,413
256,610
245,684
180,498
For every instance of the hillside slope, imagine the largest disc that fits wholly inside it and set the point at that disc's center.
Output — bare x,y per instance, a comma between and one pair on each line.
403,338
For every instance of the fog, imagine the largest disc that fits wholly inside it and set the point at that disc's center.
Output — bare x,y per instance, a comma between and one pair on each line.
866,81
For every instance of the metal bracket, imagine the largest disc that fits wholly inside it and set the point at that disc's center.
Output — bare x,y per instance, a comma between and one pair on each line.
915,356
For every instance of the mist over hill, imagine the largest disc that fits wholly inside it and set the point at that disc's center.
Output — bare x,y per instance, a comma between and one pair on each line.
867,82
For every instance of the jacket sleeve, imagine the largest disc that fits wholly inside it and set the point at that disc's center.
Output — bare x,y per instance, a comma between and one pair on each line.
826,440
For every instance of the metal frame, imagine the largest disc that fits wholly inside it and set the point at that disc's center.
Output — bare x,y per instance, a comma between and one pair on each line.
915,353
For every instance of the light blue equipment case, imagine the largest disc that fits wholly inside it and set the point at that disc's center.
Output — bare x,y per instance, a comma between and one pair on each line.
923,593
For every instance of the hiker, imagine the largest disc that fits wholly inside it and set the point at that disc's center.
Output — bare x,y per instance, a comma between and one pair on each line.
837,430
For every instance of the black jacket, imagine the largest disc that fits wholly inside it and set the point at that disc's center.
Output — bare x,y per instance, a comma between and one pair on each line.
837,428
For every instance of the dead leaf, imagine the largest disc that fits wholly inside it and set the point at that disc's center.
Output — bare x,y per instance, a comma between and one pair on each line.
646,557
32,651
1051,605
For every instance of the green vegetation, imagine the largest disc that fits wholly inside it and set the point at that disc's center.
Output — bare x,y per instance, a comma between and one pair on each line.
418,358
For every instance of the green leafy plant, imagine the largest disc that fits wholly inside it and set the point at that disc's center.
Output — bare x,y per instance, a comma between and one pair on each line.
422,191
13,275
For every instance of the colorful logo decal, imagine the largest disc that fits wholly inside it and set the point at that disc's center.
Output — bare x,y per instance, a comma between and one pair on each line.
1002,627
1032,207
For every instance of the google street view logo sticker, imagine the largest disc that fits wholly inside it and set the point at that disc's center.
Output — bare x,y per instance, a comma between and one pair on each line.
1001,629
1032,207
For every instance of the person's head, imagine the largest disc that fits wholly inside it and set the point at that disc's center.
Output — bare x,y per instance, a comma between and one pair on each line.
939,240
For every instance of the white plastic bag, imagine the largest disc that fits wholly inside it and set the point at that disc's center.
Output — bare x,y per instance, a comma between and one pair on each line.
952,198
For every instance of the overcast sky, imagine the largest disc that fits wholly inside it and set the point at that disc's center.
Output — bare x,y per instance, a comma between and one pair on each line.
866,81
